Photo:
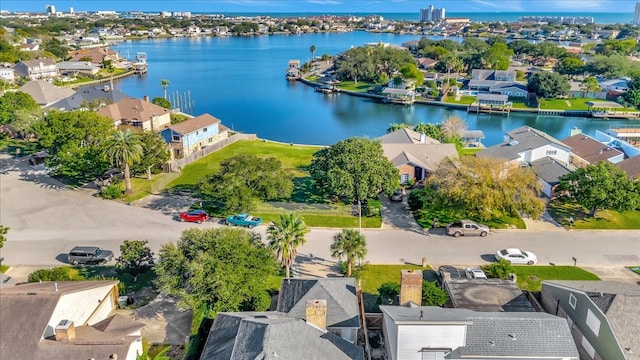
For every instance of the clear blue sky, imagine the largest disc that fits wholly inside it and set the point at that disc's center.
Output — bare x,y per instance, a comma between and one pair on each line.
328,6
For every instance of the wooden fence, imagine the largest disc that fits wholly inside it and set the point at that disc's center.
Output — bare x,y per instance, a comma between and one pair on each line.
178,164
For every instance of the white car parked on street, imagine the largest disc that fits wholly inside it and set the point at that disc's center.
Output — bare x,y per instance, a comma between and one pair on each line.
517,256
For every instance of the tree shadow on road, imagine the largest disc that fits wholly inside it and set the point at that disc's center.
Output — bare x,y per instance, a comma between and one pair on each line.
168,204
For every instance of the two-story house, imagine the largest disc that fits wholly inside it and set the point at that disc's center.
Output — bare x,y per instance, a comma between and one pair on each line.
603,316
137,113
315,319
66,320
194,134
587,151
37,69
98,96
526,146
483,79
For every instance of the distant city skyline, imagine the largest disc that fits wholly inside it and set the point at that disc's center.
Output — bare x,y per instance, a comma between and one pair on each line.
328,6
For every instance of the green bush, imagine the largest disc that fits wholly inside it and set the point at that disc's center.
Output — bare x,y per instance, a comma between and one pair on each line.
61,273
112,191
499,269
388,292
432,294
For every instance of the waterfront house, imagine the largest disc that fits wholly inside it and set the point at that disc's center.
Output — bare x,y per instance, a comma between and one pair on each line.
137,113
471,138
99,95
413,332
96,55
415,155
426,63
548,171
73,68
509,88
524,145
66,320
602,316
194,134
586,151
37,69
44,92
483,79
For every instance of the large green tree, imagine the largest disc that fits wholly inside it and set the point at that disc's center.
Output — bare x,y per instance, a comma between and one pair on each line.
74,141
351,245
14,101
244,179
123,149
155,152
548,85
135,257
600,186
285,235
570,66
485,189
354,169
214,270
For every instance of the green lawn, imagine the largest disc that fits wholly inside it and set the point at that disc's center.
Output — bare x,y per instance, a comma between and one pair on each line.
572,104
293,157
604,219
464,100
372,276
530,277
361,86
4,268
470,151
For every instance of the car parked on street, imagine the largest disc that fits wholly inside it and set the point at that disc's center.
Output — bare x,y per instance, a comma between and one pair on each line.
243,219
474,273
196,216
89,255
517,256
466,227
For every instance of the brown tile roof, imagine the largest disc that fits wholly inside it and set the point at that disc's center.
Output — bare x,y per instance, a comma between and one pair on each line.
25,311
131,109
426,156
631,166
194,124
97,55
589,149
405,136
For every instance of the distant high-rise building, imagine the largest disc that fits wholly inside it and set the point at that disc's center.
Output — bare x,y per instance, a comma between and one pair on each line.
636,15
432,15
71,10
51,9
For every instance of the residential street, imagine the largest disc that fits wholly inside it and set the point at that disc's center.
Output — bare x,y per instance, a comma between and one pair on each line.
47,219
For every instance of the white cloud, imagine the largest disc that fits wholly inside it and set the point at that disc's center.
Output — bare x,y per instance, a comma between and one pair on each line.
324,2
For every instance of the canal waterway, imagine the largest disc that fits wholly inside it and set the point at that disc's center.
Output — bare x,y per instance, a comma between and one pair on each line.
240,80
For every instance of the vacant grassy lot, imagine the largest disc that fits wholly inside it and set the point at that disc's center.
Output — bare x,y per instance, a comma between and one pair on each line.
293,157
530,277
604,219
361,86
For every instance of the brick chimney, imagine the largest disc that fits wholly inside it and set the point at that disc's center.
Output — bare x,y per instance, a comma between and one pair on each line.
65,331
316,314
146,98
411,287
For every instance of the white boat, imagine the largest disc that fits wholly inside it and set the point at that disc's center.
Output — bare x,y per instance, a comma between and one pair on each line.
141,57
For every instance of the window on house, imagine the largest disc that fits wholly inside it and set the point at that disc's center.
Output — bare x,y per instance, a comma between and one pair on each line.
593,322
176,137
404,178
204,130
572,301
210,139
552,152
197,132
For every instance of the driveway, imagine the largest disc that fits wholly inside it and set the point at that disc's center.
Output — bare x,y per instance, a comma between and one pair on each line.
396,215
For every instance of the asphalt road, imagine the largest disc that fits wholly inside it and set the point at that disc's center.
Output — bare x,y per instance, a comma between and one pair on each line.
47,219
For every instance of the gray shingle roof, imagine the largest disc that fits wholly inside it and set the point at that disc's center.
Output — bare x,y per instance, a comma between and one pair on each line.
45,93
520,140
405,136
495,334
550,170
273,335
340,293
426,156
89,93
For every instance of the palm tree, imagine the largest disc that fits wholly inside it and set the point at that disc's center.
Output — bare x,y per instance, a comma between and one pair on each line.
108,66
123,149
285,236
313,51
164,83
349,244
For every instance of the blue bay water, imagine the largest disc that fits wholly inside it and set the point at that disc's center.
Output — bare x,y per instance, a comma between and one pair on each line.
240,80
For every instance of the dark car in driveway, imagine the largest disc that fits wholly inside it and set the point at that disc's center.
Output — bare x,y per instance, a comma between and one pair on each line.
196,216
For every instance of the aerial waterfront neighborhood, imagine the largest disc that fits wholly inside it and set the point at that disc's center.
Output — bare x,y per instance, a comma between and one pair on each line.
490,211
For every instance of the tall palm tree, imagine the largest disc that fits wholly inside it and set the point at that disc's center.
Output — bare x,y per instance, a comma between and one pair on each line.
312,48
164,83
350,244
108,66
285,236
123,149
